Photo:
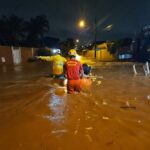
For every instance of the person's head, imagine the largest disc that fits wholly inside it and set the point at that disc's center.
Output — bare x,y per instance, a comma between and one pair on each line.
72,53
58,51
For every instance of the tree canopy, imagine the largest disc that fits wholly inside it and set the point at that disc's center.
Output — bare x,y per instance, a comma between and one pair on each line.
118,44
19,32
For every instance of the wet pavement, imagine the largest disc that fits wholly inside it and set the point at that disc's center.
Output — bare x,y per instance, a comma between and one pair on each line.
36,114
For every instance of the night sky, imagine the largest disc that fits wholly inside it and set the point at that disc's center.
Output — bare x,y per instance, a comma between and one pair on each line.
127,17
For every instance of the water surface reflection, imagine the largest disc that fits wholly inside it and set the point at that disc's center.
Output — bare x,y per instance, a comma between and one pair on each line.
36,114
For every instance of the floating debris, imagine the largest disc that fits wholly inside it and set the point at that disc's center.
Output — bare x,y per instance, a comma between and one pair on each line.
127,103
75,132
128,107
79,119
148,97
101,77
85,94
86,112
89,128
88,117
93,79
105,103
59,131
52,118
139,121
105,118
96,77
96,103
99,82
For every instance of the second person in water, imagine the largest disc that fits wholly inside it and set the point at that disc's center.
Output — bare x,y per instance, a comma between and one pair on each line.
73,72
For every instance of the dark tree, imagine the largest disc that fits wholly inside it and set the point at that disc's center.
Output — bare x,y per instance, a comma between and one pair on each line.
11,30
65,46
114,48
36,28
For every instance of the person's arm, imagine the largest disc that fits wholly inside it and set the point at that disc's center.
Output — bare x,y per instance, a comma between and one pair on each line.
81,70
46,58
65,70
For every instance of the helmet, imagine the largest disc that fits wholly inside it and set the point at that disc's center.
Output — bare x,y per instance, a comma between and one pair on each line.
58,51
72,52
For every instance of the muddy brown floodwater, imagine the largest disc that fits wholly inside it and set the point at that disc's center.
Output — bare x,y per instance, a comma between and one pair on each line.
113,115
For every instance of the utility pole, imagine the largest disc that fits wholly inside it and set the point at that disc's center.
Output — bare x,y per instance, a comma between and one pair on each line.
95,28
95,32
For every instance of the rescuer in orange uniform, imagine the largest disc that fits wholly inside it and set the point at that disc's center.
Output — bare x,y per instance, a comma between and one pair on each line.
73,71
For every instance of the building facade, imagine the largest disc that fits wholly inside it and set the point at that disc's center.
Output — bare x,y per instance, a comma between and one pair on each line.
15,55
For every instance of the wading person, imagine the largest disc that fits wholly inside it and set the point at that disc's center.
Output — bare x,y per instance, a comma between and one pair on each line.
58,64
73,72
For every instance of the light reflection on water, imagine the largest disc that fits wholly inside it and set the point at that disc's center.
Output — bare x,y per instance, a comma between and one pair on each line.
57,106
18,68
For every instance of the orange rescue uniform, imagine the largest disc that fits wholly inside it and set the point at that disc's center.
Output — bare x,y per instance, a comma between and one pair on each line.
73,69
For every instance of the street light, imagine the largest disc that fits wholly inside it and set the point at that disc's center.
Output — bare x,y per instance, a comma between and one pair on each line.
77,41
81,23
95,35
108,28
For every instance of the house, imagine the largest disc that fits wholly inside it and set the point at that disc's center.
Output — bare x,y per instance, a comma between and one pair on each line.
101,53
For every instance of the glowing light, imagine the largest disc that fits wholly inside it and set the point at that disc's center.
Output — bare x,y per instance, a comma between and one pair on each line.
54,50
77,41
78,57
109,27
81,23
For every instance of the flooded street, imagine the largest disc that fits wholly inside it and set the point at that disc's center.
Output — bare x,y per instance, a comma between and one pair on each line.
35,114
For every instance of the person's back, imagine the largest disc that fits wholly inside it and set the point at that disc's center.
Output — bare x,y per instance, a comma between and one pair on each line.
58,63
73,70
